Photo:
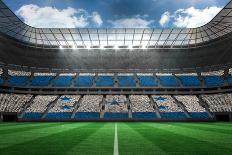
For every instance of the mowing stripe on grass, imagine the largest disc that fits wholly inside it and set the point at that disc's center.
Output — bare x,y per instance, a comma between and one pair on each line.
116,140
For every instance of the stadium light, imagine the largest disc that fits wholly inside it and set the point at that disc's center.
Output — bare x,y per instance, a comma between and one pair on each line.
88,47
61,47
74,47
102,47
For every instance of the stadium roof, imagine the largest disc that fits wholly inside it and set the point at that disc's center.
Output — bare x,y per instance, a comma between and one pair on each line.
128,38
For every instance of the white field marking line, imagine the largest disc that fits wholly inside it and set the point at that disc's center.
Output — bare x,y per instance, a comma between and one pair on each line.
116,140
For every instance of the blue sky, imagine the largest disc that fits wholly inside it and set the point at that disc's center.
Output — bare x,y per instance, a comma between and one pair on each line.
116,13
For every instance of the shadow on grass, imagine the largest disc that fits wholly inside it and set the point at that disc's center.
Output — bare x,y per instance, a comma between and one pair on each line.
173,143
54,144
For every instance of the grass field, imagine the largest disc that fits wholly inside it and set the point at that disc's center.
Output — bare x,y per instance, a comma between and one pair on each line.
108,138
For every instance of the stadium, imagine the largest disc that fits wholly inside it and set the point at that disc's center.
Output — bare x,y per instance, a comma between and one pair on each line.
115,90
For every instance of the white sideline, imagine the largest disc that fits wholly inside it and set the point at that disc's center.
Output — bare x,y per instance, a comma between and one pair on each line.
116,140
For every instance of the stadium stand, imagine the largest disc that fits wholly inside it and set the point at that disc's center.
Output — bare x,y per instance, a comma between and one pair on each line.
147,80
84,80
103,80
89,107
189,79
12,102
168,80
126,81
141,107
213,79
63,108
116,107
63,80
192,105
219,102
38,107
42,79
168,108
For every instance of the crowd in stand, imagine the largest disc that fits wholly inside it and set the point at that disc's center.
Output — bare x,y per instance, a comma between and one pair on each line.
191,103
219,102
12,102
116,103
40,103
90,103
166,103
141,103
65,103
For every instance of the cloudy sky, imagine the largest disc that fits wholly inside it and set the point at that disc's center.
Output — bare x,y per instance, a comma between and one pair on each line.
116,13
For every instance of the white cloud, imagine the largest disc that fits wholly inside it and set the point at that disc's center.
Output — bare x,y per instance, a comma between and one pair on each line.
97,18
190,17
135,22
165,18
51,17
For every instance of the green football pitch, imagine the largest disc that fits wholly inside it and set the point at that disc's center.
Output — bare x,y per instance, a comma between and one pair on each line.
121,138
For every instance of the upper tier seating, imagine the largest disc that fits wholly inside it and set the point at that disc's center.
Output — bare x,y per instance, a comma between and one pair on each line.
104,81
168,81
213,81
38,106
192,105
116,107
189,80
18,80
12,102
126,81
167,107
230,80
147,81
41,80
62,81
141,107
84,81
64,107
89,107
219,103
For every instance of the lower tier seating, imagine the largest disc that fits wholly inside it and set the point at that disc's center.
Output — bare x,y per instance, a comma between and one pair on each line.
173,115
147,81
116,115
33,115
143,115
54,115
126,81
87,115
169,81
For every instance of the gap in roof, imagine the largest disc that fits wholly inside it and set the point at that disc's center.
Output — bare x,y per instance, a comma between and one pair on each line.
116,13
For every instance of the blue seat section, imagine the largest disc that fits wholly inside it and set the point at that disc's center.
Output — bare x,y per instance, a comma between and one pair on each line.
201,115
63,81
213,81
51,115
87,115
147,81
18,80
33,115
190,80
144,115
126,81
230,80
84,81
168,81
116,115
104,81
172,115
41,80
1,81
